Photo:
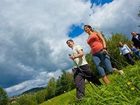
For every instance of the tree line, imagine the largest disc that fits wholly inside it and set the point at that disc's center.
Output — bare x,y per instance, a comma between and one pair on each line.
54,88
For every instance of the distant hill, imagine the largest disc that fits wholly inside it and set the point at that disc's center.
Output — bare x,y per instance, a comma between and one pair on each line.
33,90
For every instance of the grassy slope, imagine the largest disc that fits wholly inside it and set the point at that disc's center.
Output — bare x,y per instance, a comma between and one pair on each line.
124,90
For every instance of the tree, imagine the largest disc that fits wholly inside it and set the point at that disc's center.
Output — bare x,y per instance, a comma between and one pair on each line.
40,96
14,103
27,100
3,97
51,88
90,62
112,45
64,83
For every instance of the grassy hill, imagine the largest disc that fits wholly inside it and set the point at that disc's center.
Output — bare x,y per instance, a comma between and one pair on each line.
123,90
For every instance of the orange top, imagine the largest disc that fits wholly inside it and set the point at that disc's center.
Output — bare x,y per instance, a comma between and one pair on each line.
95,43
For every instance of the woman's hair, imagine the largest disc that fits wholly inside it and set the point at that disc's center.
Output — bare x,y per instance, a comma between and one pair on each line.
120,44
88,27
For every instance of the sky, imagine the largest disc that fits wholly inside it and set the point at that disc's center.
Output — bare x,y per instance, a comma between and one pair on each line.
76,29
33,35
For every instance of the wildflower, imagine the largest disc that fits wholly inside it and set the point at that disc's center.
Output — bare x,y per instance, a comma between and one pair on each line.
128,83
132,88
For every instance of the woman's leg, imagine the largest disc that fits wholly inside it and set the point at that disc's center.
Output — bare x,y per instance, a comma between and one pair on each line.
100,69
105,79
129,59
107,63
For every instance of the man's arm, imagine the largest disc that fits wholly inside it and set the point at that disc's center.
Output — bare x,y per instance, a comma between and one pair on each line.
128,48
138,34
79,54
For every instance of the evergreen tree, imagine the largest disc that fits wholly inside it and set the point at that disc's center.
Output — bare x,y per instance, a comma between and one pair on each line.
3,97
14,103
51,88
64,83
27,100
41,96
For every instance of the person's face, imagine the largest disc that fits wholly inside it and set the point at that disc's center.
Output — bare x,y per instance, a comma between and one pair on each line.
133,34
70,44
87,29
120,44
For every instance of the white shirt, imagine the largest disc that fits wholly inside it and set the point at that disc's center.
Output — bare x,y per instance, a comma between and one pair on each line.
137,37
124,50
79,61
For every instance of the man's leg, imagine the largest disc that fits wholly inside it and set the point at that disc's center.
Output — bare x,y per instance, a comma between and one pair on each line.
90,76
80,86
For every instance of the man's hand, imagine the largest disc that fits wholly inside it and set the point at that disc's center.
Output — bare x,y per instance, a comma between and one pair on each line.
78,55
72,57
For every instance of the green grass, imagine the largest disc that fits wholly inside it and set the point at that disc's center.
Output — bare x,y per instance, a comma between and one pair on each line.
63,99
123,90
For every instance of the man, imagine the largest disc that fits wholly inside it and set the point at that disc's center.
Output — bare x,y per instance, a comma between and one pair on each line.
81,69
136,39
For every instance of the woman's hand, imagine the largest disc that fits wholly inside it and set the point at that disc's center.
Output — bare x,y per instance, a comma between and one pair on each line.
105,51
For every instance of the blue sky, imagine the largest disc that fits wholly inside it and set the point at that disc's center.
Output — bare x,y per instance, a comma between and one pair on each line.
100,2
76,29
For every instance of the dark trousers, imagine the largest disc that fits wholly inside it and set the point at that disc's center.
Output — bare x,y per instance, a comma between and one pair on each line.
80,74
137,54
129,58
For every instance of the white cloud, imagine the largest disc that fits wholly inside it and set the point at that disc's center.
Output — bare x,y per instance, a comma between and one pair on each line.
117,16
33,35
32,38
39,81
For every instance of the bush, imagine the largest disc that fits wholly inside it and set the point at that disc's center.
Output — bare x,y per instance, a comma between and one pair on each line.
40,96
27,100
14,103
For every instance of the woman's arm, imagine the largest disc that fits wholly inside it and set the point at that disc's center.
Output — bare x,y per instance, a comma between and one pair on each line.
102,39
120,51
127,48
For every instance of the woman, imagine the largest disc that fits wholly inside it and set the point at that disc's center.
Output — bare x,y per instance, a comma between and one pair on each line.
126,52
99,52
